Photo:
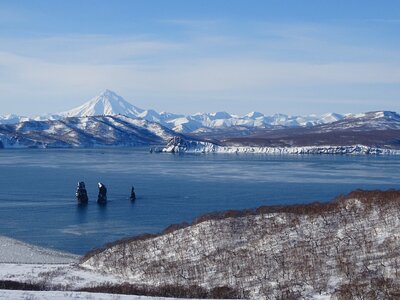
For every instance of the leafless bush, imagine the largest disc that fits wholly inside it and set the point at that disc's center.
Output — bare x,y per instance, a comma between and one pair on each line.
15,285
176,291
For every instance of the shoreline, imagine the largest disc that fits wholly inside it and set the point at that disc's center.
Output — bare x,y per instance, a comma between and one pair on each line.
16,251
205,147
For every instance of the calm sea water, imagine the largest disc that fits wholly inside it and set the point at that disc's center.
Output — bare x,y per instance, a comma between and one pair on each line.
37,189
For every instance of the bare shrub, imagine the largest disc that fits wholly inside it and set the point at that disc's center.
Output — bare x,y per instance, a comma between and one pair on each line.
176,291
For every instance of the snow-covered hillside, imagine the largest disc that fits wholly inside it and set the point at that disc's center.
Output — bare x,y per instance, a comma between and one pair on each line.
95,131
14,251
346,249
379,120
52,274
65,295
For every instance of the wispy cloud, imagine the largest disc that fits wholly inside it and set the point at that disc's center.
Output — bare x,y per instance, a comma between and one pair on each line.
182,79
87,48
274,61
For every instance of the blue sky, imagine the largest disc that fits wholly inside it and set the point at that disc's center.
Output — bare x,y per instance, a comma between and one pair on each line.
294,57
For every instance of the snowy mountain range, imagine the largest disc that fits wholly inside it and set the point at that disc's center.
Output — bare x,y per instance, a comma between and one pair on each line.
109,103
109,120
12,119
377,131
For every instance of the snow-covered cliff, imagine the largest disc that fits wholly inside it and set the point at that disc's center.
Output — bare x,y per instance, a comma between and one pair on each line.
180,145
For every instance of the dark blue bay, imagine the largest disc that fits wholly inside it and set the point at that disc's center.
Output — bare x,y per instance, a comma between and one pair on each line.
37,189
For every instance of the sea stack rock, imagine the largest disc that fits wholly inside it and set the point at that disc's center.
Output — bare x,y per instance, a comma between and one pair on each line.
102,197
81,193
133,195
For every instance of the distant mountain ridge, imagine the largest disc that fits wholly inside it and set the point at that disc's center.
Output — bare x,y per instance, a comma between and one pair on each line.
109,103
379,130
109,120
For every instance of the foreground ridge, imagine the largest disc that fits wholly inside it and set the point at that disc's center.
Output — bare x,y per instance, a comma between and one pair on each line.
343,248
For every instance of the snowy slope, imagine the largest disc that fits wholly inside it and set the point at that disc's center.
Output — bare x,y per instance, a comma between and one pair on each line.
347,249
26,263
12,119
57,272
14,251
107,103
379,120
95,131
54,295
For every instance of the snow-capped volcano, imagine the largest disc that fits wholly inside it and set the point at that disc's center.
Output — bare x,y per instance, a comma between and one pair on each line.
220,123
110,104
107,103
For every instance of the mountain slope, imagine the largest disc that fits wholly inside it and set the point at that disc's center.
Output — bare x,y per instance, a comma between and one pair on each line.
107,103
255,128
376,129
84,132
348,249
13,119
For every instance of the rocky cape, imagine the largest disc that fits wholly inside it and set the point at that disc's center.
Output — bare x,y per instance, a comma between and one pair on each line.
179,145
